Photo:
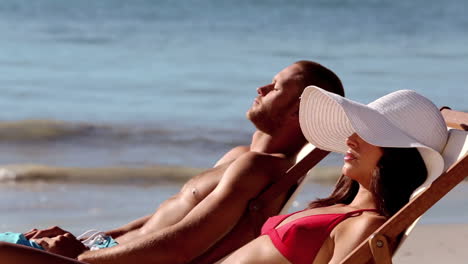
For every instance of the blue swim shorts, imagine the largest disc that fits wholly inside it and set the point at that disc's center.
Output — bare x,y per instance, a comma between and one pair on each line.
18,238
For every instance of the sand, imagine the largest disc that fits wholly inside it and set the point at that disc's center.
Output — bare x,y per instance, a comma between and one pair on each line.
437,244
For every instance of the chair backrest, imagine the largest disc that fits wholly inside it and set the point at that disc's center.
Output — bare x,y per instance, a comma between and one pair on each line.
306,150
376,248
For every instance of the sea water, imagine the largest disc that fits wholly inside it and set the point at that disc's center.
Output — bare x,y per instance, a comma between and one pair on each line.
138,83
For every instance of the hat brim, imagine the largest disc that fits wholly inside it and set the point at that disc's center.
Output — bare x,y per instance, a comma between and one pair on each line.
327,120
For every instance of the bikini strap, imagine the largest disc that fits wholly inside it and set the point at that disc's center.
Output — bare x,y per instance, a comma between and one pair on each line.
338,220
359,212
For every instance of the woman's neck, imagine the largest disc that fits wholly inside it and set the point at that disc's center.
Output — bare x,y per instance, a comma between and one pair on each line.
364,199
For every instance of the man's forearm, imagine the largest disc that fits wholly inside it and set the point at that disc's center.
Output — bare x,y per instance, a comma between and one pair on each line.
103,256
145,249
175,245
128,227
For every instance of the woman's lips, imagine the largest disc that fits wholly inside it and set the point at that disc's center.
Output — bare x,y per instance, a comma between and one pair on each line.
349,156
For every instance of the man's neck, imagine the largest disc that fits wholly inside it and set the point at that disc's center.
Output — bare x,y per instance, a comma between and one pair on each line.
281,143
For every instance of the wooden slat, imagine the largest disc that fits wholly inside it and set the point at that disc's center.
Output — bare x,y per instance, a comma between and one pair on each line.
380,249
455,119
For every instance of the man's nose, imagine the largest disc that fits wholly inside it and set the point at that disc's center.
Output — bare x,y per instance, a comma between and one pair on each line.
264,89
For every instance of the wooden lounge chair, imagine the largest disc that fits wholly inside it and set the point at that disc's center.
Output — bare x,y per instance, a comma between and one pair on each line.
259,209
381,245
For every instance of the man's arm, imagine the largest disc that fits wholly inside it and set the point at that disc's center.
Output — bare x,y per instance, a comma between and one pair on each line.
115,233
18,254
210,220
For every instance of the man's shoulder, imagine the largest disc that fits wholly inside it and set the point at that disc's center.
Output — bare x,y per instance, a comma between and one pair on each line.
233,154
252,171
260,164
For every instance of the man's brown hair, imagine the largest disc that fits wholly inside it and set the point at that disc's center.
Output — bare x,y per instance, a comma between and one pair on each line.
319,75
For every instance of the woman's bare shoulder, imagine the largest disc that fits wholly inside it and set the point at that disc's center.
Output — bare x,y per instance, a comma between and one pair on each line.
364,224
352,232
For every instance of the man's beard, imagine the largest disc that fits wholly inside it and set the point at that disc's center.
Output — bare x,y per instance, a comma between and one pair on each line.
263,122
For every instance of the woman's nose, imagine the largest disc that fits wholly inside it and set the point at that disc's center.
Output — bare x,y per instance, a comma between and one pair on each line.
351,141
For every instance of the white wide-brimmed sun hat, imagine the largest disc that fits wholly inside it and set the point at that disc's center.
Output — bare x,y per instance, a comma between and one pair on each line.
402,119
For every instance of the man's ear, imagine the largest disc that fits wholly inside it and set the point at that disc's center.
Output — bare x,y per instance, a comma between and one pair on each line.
294,113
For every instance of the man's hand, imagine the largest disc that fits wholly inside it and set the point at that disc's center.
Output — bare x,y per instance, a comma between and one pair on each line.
66,245
30,233
49,232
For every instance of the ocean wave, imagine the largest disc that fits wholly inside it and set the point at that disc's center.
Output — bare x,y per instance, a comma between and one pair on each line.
146,175
85,144
47,130
31,130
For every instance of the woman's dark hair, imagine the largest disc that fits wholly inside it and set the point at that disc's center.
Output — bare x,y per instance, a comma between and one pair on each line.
400,171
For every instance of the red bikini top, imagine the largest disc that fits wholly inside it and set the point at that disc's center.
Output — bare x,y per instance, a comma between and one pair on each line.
301,239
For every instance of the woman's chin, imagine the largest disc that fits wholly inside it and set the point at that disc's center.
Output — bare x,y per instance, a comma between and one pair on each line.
345,170
349,171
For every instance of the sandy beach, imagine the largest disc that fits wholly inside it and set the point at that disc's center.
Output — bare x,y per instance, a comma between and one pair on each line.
435,244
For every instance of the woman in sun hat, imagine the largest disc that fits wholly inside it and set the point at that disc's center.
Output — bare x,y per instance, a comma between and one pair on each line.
392,151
